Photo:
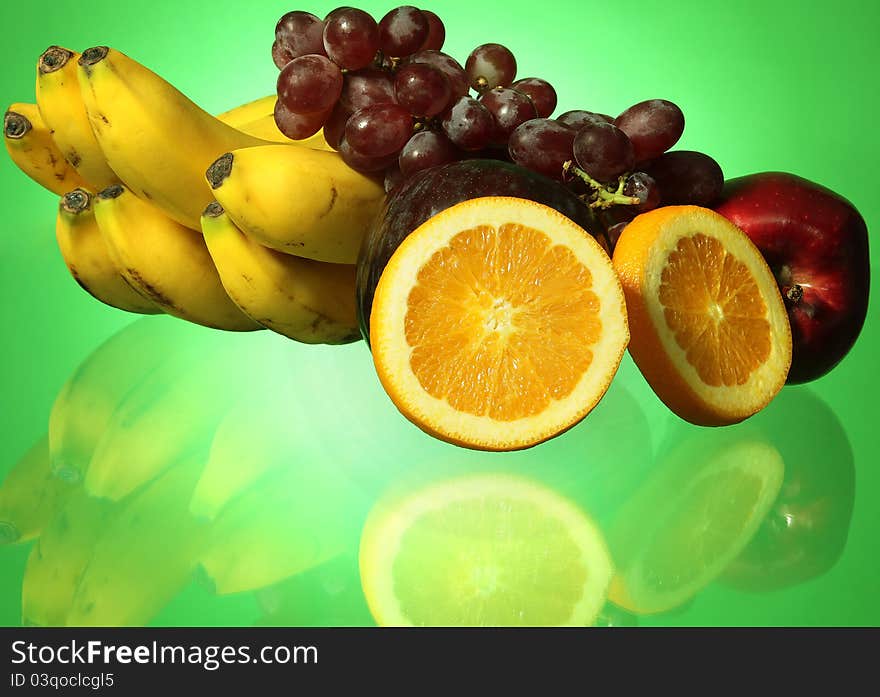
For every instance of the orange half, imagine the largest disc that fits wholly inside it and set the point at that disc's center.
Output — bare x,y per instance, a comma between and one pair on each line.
709,329
497,324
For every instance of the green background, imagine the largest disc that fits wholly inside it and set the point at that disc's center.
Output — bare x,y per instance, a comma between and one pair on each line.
764,86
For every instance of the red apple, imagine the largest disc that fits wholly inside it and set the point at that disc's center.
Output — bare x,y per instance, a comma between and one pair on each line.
816,243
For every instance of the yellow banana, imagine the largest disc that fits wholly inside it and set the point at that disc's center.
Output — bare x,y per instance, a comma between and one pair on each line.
30,495
88,259
175,410
94,391
59,556
297,200
249,111
306,300
146,555
165,261
156,140
62,108
32,149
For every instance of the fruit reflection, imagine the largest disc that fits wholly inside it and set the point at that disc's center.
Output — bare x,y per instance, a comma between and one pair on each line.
483,550
693,516
806,530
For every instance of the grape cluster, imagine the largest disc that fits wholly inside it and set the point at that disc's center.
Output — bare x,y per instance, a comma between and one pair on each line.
392,103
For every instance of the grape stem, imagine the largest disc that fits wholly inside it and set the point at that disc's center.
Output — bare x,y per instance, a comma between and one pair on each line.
602,196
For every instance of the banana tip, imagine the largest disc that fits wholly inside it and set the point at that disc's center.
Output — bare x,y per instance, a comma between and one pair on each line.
219,170
53,58
76,201
15,125
213,210
93,55
112,191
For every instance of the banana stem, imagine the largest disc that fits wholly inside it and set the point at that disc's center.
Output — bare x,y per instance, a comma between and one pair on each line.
53,58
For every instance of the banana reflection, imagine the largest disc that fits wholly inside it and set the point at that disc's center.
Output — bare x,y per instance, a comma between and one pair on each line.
806,530
200,462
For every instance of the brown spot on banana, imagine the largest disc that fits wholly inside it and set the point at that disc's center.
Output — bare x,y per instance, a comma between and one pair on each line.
333,195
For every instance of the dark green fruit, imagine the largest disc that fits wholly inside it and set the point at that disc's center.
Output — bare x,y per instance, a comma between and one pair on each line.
433,190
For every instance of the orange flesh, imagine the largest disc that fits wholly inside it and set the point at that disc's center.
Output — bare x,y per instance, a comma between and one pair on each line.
715,310
500,322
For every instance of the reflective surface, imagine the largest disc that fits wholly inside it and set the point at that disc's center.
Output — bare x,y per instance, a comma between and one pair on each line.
249,470
192,476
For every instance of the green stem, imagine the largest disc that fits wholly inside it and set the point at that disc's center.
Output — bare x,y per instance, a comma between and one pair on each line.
604,197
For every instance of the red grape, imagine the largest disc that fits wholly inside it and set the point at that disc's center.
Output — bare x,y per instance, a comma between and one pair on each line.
643,187
542,145
468,124
603,151
379,130
490,65
360,162
402,31
686,177
578,117
351,38
426,149
366,87
436,32
509,108
541,93
653,126
298,34
309,84
334,126
421,89
451,68
298,126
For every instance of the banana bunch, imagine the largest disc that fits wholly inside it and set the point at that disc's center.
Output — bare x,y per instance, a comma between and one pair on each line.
219,220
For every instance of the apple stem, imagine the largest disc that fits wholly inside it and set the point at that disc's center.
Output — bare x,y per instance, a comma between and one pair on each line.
602,196
794,293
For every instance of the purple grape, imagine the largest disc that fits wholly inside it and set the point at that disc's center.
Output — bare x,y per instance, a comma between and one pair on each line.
297,34
360,162
298,126
426,149
393,178
541,93
643,187
542,145
686,177
603,151
578,118
351,38
403,31
334,126
421,89
509,108
366,87
309,84
490,65
653,126
451,68
469,124
436,32
378,131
